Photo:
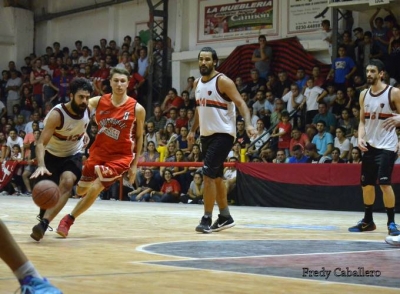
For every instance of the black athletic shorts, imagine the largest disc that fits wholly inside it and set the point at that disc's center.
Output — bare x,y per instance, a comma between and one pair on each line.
58,165
377,166
215,149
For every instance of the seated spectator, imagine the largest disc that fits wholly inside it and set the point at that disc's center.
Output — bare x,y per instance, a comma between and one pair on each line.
229,179
330,98
298,156
336,158
323,140
150,155
241,134
172,118
342,143
35,117
324,115
180,173
158,119
267,154
280,157
187,102
276,115
13,140
195,156
356,156
146,186
151,135
190,117
354,139
348,123
169,155
170,190
182,143
254,151
172,100
313,154
20,123
195,192
235,151
298,138
16,181
182,120
31,163
169,135
341,102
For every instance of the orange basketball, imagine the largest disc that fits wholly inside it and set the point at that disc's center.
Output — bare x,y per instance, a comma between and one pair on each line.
45,194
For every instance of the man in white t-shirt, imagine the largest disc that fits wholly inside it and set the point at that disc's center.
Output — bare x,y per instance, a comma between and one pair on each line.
12,87
313,94
13,139
293,99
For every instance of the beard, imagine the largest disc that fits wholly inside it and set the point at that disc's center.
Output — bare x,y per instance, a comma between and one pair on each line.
371,81
78,109
205,71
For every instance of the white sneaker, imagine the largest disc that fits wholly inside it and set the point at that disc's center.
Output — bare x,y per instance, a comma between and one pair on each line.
393,240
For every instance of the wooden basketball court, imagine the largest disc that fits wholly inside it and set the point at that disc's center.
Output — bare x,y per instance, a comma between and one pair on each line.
123,247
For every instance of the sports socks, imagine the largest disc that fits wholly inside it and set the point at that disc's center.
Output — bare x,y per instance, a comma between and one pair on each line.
368,213
225,212
27,269
390,215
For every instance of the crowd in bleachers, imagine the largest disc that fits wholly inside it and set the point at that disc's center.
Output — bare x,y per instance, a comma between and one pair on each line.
312,119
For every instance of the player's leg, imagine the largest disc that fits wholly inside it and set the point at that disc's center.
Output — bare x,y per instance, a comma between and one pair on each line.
369,174
386,164
23,269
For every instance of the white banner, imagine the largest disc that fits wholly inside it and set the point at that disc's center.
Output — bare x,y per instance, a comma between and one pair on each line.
307,15
378,2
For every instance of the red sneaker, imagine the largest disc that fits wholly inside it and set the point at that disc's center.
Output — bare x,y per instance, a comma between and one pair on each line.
64,226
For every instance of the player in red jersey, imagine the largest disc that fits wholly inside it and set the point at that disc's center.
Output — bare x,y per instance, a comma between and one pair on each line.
120,120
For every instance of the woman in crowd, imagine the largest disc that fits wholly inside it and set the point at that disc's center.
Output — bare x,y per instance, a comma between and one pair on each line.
356,156
150,155
195,192
347,122
182,143
170,190
146,186
335,157
342,143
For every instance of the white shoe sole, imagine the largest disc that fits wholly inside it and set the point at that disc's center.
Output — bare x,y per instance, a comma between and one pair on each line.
223,227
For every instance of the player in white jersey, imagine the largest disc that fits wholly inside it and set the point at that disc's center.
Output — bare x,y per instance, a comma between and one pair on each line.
378,144
58,149
216,98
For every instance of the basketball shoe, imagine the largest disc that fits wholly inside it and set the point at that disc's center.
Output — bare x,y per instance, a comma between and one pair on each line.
393,240
204,226
363,227
222,223
32,285
39,230
65,225
393,229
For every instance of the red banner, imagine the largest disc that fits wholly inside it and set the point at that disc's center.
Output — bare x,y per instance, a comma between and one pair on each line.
7,171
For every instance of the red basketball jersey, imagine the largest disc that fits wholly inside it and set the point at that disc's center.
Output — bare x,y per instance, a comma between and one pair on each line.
117,130
37,88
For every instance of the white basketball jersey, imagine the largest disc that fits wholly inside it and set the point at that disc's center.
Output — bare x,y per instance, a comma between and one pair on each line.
217,115
67,139
377,108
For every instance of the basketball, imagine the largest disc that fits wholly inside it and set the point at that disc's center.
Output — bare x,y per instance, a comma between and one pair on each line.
45,194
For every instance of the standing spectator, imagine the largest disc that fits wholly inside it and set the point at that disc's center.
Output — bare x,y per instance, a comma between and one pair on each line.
343,67
283,85
37,81
3,82
12,87
283,131
318,79
369,50
327,34
26,102
312,96
301,79
189,88
50,91
379,32
262,57
394,54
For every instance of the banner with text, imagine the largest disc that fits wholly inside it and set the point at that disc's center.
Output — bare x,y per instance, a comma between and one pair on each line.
307,15
221,19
